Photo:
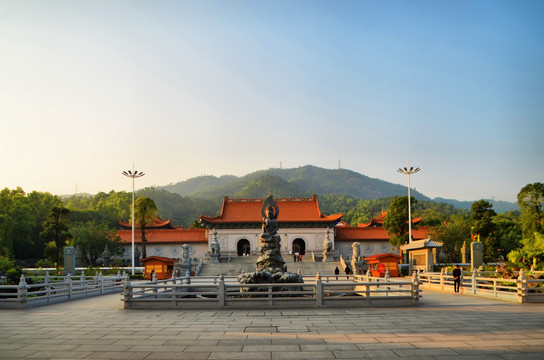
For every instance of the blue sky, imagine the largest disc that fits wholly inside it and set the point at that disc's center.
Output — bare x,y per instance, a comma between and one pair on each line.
187,88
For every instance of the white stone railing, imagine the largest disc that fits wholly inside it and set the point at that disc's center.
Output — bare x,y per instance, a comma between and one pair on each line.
57,289
519,290
195,293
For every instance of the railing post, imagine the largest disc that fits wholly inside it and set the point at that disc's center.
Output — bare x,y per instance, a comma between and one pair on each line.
368,275
69,283
221,291
495,287
522,287
101,279
386,278
22,291
318,290
442,278
127,291
415,289
155,281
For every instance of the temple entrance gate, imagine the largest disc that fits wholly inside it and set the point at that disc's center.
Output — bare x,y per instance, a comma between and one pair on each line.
243,247
299,246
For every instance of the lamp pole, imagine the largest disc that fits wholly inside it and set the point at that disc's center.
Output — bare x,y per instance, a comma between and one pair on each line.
133,175
408,172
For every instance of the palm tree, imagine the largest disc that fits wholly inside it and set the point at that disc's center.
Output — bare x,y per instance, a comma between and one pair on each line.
145,212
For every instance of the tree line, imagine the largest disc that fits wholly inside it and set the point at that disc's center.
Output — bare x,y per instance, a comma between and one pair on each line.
38,225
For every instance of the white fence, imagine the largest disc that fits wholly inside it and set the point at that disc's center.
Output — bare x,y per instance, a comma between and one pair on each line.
57,289
225,292
519,290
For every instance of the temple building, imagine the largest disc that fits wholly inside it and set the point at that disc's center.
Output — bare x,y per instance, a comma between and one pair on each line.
163,239
302,227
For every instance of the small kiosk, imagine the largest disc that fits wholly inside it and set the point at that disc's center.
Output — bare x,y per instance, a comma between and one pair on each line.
379,263
163,266
422,254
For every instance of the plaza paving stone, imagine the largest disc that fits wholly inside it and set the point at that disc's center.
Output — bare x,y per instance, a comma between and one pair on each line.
442,327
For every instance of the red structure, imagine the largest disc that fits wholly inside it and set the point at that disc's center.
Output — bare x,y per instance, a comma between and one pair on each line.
163,266
379,263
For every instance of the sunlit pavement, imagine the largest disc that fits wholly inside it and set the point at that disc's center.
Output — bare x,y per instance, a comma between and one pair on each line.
443,326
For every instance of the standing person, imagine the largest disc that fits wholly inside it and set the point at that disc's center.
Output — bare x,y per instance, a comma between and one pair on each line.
456,278
336,272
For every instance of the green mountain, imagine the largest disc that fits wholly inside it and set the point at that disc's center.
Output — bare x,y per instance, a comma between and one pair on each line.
199,184
302,181
306,181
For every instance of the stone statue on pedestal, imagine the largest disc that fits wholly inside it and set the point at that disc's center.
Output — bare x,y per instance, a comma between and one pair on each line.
328,254
356,251
185,264
215,249
270,265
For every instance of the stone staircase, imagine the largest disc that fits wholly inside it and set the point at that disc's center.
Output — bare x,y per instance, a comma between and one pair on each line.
246,264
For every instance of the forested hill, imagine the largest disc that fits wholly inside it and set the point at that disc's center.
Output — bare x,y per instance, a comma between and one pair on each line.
302,181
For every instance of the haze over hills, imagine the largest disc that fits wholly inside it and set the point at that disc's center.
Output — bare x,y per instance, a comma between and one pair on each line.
306,181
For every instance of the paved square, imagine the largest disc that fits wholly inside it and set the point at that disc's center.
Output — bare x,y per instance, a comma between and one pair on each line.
444,326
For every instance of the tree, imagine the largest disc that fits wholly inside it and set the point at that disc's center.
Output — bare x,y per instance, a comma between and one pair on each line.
507,232
396,221
452,234
145,212
532,252
531,203
55,228
92,238
482,225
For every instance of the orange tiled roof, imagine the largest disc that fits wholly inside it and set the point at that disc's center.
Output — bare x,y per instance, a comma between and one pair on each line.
381,256
177,235
158,223
161,258
345,233
292,210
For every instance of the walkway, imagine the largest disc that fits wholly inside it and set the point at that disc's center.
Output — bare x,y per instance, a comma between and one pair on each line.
443,327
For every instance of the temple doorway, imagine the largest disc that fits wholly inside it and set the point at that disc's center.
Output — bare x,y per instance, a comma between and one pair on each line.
243,247
299,246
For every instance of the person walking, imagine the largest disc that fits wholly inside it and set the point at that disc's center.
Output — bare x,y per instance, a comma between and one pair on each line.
456,278
336,272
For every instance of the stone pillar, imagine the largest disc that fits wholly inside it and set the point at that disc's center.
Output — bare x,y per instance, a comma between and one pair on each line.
476,256
78,257
106,255
465,253
69,260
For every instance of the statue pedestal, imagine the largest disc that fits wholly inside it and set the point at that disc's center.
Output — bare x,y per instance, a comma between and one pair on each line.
357,266
328,256
214,258
183,268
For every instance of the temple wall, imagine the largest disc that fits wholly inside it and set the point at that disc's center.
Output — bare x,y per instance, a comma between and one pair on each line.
228,238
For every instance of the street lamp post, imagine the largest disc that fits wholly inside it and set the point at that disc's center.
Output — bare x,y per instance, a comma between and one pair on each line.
408,172
133,175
